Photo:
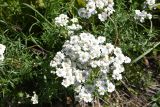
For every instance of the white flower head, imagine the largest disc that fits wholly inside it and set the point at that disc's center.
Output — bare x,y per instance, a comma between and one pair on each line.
104,8
61,20
2,48
150,2
101,39
1,57
34,98
149,16
74,20
100,4
117,76
84,55
83,13
127,60
142,15
102,16
68,81
110,87
91,7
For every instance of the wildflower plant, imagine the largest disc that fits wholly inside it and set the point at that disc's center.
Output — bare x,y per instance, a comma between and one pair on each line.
82,63
104,8
34,98
142,15
89,65
2,49
71,25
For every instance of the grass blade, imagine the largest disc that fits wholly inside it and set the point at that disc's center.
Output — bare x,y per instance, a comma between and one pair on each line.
145,53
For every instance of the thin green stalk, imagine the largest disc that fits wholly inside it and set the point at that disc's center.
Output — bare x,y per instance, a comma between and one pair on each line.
145,53
27,5
116,30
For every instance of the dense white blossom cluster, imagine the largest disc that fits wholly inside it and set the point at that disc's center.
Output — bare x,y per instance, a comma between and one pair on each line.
89,65
104,8
142,15
2,49
70,24
62,20
150,2
34,98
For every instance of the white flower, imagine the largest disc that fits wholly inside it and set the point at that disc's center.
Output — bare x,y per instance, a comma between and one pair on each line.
104,8
110,47
70,32
118,68
74,20
59,56
101,39
110,87
104,51
78,89
61,20
68,81
83,13
74,27
94,53
117,51
66,65
137,12
85,96
53,63
53,72
34,98
2,48
120,58
150,2
83,56
109,9
93,64
1,57
99,4
102,90
60,72
142,15
117,76
79,76
90,7
127,60
69,73
103,16
149,16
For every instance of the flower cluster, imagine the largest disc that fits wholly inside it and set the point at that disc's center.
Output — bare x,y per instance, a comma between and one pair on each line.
104,8
141,15
89,65
2,49
150,2
62,20
34,98
70,24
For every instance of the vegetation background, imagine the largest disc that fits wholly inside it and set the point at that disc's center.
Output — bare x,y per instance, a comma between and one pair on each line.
32,39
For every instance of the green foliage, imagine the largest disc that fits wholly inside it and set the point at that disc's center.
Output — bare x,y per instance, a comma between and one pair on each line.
156,100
